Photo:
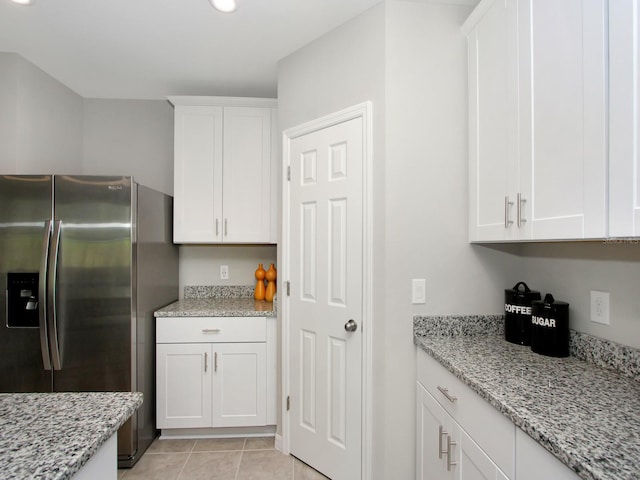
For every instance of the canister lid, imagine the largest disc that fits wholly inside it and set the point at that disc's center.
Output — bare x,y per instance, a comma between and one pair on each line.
549,300
521,289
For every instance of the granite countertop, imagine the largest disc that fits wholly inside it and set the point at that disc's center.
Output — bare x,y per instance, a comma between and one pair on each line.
50,436
218,307
585,415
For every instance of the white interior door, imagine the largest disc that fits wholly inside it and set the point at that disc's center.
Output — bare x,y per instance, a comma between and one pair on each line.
326,298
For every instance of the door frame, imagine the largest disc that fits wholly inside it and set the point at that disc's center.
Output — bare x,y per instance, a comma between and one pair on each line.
363,111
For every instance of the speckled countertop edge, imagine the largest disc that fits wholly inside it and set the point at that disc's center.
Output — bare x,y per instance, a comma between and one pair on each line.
218,307
50,436
558,402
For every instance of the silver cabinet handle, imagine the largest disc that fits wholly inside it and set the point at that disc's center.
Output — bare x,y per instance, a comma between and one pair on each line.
441,433
205,361
449,445
215,362
445,392
210,330
507,204
42,296
217,230
225,227
521,221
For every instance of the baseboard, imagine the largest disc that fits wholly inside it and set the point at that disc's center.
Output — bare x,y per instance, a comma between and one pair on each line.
223,432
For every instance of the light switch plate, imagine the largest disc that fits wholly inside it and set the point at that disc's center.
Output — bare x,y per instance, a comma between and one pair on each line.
418,291
224,272
600,307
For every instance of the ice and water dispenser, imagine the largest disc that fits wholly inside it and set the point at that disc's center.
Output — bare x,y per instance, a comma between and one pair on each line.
22,299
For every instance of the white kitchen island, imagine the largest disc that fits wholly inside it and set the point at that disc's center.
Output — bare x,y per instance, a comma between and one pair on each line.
57,436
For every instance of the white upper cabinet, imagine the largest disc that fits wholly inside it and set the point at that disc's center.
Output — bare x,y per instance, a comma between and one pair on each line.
563,131
624,128
197,174
537,120
225,186
493,122
246,175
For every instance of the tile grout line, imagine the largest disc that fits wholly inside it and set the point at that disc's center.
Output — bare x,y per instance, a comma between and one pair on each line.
240,461
187,460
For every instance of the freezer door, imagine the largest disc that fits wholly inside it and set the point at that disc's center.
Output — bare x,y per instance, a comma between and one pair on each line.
91,333
25,211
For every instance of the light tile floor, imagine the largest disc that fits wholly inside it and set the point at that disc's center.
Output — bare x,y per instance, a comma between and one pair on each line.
218,459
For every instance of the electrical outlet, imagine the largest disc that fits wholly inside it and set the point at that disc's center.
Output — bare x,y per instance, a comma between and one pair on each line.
600,307
418,291
224,272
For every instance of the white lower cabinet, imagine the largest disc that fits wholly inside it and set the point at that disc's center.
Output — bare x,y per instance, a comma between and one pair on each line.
431,431
460,436
445,450
240,384
473,462
183,384
203,380
534,462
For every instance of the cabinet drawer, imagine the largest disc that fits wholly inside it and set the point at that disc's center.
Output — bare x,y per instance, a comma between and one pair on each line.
494,432
211,329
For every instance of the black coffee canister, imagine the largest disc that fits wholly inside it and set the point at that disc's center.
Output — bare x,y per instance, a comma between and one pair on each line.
517,313
550,327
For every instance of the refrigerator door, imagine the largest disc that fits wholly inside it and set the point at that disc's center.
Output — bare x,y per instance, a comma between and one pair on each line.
25,217
91,291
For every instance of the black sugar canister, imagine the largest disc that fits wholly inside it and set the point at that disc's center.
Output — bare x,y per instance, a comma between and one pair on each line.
550,327
517,313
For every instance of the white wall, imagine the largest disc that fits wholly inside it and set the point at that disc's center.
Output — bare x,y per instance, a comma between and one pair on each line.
130,137
42,126
200,264
426,204
571,270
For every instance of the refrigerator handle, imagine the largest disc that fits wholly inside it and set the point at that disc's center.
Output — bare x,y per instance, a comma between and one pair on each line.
42,296
51,298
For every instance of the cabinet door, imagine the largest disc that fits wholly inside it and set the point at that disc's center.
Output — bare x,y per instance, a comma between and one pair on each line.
197,174
563,133
183,383
624,127
472,462
431,436
239,385
247,193
533,462
493,147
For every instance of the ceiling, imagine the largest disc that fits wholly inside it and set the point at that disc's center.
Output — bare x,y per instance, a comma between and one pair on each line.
149,49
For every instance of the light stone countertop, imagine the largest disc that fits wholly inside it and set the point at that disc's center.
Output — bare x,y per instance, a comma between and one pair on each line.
50,436
218,307
585,415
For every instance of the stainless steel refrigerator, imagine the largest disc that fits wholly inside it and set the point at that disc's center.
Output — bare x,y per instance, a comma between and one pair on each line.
84,262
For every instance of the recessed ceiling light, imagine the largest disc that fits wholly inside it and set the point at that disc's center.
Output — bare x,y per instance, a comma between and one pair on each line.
23,2
226,6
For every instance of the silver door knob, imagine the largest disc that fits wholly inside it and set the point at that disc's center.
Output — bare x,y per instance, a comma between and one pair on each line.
351,326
